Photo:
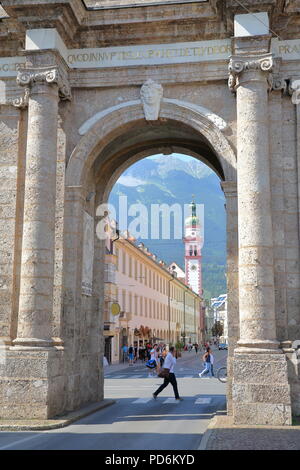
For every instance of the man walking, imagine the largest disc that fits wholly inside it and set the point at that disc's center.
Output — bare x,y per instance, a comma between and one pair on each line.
170,362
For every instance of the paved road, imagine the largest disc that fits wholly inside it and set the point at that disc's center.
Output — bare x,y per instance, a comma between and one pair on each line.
137,421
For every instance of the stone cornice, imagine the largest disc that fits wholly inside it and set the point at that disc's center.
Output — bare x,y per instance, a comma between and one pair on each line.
48,75
239,64
229,188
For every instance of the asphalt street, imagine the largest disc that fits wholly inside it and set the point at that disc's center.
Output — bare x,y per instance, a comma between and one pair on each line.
137,421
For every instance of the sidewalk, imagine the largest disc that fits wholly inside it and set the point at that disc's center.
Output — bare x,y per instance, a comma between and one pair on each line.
221,434
122,366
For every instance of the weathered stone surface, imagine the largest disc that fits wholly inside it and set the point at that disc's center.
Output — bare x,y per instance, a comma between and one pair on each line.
47,169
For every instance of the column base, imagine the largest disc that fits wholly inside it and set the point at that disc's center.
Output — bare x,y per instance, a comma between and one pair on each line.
32,383
260,389
257,346
32,343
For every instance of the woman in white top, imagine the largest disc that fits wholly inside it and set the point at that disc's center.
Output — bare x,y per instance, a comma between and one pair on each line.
153,357
170,362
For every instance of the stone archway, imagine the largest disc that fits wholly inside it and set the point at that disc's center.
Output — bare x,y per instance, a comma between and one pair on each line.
111,142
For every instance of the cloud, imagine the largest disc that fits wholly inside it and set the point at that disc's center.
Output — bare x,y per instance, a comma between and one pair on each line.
130,181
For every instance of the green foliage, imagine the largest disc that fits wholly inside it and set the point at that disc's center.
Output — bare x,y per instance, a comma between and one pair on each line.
179,345
217,329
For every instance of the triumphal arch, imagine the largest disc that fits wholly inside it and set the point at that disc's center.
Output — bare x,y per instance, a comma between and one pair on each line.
89,87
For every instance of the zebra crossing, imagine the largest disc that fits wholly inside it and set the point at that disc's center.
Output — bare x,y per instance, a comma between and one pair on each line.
167,401
140,376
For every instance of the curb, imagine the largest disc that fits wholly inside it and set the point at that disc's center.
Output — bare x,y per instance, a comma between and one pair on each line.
55,423
208,432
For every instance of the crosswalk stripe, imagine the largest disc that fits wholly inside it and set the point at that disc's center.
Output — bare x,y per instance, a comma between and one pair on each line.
170,400
142,400
119,376
202,401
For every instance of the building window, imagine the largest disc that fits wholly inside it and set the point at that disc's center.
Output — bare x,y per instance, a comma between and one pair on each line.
135,270
124,300
136,297
130,302
150,279
130,266
146,307
124,262
117,255
141,272
145,274
141,306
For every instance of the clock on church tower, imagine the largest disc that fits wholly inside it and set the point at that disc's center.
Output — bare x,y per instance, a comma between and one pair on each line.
193,243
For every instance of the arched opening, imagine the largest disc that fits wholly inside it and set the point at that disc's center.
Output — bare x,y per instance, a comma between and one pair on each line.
109,146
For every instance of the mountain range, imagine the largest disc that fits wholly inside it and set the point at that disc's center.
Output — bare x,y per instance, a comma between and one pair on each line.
175,179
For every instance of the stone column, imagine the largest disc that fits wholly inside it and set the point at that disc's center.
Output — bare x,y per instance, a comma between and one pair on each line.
258,361
45,84
232,276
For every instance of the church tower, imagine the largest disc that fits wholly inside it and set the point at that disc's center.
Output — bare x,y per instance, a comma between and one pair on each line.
193,243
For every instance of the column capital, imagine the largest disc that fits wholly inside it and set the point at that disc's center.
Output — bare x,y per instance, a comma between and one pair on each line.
239,64
45,75
279,83
294,89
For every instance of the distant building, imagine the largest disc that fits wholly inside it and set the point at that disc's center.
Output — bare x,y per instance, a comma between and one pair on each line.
154,305
193,258
219,309
177,271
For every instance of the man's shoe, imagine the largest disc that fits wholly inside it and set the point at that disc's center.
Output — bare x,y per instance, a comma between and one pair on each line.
179,399
154,396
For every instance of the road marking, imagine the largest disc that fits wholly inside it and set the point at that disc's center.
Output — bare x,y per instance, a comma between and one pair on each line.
142,400
21,441
187,377
118,376
202,401
136,376
170,400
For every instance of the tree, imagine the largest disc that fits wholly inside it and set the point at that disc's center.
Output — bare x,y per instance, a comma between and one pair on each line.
217,329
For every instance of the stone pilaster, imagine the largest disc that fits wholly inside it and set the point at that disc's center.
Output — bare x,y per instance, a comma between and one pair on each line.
293,310
230,191
258,361
44,86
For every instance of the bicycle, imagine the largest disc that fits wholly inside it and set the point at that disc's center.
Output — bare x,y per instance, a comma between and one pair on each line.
222,374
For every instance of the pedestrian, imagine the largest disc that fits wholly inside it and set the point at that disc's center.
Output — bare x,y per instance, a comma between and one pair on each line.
152,361
131,355
208,359
148,349
135,353
169,363
158,359
163,357
196,348
125,352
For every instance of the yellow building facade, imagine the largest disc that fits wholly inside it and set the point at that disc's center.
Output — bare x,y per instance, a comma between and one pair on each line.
155,306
